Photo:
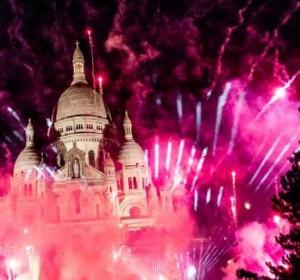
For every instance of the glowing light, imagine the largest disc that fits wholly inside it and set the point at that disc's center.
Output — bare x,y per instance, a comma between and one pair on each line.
25,230
161,277
191,272
279,93
168,158
156,167
100,85
276,219
247,205
89,31
13,264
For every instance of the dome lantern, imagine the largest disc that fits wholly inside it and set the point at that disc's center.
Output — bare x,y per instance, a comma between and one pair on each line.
78,66
127,127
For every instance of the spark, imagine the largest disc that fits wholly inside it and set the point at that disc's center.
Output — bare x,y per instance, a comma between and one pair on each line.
221,103
191,272
269,153
13,113
208,195
219,199
247,205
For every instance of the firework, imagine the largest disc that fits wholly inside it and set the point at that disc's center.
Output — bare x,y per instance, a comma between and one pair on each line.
221,103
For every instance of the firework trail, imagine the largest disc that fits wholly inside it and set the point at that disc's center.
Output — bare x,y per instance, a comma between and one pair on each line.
198,120
257,154
221,103
196,199
291,80
199,167
278,94
233,199
284,20
284,166
229,32
100,86
282,153
220,195
179,158
179,106
156,166
91,44
208,196
279,71
234,130
269,153
169,153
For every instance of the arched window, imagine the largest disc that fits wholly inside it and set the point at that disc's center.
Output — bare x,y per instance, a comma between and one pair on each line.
135,186
61,160
130,183
97,210
91,158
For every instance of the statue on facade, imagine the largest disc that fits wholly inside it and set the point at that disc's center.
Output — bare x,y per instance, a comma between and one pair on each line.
76,168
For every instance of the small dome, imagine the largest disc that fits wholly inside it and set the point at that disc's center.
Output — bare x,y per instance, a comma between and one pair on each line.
78,100
131,153
27,159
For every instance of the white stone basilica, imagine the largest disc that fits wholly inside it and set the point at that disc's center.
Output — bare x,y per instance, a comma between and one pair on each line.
87,188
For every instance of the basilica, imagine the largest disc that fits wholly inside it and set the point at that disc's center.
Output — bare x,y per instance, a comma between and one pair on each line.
87,186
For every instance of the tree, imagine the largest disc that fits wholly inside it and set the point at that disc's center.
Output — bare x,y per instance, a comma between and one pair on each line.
287,204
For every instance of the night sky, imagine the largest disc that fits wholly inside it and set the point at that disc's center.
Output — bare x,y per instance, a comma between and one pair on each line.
149,53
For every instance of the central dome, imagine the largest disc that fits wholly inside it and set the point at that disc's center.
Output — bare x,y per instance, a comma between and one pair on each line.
80,99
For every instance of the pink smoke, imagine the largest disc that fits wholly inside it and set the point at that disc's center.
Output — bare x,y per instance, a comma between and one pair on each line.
255,246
